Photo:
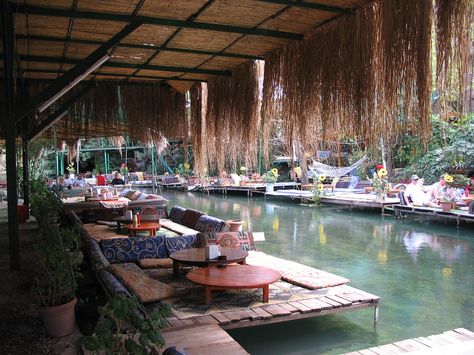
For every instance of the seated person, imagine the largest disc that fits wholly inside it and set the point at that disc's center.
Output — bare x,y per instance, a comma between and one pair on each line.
101,179
118,179
438,190
470,175
414,194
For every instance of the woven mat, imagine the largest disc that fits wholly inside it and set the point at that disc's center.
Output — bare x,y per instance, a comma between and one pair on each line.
189,298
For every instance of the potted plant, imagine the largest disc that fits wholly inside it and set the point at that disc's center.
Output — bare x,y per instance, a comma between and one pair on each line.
446,203
380,183
144,338
57,263
318,189
270,177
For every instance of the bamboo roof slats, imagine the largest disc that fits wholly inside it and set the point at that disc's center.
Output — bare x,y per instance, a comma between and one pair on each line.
203,39
62,4
246,13
171,58
95,30
132,55
115,6
222,63
181,86
306,19
150,35
159,73
126,71
176,9
251,45
194,76
39,25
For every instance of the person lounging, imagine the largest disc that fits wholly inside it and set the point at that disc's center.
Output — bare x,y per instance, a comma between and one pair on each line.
118,179
414,194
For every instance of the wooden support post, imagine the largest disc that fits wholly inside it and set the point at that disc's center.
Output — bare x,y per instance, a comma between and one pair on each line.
10,135
339,154
26,173
153,168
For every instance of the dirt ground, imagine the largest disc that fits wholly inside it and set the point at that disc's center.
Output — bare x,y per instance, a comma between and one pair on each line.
21,329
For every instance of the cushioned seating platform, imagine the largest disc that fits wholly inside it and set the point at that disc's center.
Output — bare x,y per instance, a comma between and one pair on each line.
177,228
296,273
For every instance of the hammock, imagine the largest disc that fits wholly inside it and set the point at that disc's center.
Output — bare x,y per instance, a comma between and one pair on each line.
318,168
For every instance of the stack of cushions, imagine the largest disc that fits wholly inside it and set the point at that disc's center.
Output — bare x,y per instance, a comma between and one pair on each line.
133,195
191,217
144,287
208,224
132,249
176,214
243,240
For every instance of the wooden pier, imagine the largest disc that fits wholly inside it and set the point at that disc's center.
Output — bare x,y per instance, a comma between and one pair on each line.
457,341
329,300
459,216
249,188
348,199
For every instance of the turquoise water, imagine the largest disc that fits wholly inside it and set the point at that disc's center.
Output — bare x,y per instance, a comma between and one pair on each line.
423,272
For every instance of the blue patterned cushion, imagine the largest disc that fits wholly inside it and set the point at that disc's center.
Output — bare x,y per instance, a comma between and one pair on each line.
98,260
126,250
182,242
176,214
113,285
207,224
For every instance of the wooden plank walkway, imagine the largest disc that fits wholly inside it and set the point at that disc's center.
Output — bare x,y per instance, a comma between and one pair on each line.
457,215
457,341
348,199
202,338
326,301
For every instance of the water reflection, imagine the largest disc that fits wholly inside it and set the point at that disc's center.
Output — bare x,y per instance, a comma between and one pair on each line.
424,273
448,249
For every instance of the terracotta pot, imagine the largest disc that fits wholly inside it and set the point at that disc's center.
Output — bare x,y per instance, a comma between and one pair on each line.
23,213
235,225
59,320
446,206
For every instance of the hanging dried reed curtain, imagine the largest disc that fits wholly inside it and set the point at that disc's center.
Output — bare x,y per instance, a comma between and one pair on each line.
363,75
198,124
232,121
454,20
152,111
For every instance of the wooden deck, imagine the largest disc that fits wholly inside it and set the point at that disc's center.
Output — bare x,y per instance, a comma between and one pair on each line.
456,215
457,341
249,189
327,301
348,199
202,339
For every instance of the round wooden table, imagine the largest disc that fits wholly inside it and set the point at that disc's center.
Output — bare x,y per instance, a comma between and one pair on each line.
152,227
234,277
197,257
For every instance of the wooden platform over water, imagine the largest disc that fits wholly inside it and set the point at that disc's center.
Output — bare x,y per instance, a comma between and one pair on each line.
327,301
457,341
202,339
348,199
436,213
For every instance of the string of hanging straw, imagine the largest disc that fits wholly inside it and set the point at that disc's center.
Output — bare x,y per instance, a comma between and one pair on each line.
365,75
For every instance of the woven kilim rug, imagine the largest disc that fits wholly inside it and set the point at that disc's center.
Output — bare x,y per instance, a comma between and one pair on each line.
189,298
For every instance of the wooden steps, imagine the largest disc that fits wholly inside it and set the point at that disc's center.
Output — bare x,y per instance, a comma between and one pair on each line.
457,341
202,339
328,301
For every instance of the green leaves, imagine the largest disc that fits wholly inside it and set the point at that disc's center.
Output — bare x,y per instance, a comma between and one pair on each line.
145,335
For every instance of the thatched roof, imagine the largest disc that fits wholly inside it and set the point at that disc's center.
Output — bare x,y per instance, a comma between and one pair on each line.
353,67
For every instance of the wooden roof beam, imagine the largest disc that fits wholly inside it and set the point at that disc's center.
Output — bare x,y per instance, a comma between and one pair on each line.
52,71
65,82
59,60
105,16
310,5
138,46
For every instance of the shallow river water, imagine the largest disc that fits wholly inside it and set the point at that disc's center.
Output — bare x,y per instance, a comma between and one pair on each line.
423,272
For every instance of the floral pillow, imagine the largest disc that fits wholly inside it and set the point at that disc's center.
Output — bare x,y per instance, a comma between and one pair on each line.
243,240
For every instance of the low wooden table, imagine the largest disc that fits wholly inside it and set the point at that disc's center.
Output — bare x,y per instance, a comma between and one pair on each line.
152,227
234,277
197,257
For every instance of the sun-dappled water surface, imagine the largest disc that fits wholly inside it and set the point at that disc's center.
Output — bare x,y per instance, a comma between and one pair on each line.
423,272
